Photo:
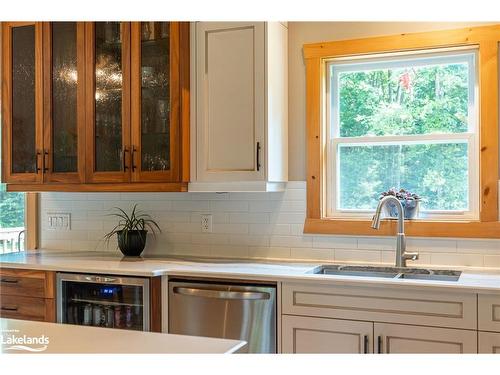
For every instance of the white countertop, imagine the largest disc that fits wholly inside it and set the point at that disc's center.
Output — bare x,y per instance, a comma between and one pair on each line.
106,263
66,338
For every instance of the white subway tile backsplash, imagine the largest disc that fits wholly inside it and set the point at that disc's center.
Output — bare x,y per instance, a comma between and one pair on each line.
248,240
295,194
287,218
263,229
229,251
229,206
377,243
230,228
330,242
492,260
255,225
326,255
249,218
453,259
350,255
190,205
479,246
290,241
210,239
432,245
269,252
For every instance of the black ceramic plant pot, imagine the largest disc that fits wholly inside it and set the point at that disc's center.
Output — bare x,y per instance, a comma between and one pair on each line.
132,243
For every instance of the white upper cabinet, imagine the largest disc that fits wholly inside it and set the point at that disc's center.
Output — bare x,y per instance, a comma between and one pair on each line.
239,117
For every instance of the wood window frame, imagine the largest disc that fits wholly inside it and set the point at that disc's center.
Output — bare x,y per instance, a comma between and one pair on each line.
487,39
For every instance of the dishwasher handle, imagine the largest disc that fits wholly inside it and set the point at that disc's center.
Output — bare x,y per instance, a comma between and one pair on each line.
221,294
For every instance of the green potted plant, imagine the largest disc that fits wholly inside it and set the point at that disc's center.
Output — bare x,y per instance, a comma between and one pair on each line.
410,202
132,230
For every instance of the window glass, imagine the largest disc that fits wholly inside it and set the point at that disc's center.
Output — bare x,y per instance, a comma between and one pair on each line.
405,122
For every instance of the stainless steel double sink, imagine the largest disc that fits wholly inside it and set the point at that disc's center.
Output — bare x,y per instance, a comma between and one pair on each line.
388,272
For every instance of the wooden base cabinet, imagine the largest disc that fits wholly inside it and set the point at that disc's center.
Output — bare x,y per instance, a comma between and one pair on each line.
319,335
27,294
406,339
489,343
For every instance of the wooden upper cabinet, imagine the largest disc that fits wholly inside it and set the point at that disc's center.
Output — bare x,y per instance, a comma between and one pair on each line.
95,106
22,99
64,102
108,101
156,61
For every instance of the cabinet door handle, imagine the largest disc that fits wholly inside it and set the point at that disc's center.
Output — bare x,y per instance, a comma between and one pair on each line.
9,308
379,344
365,344
124,157
44,161
37,166
132,157
258,156
9,281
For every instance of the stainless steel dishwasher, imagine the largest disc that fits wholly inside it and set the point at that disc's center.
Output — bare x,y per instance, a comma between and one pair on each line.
226,310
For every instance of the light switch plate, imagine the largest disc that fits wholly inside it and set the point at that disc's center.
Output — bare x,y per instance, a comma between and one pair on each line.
58,221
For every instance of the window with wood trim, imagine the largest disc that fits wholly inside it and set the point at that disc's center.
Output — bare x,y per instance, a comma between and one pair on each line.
414,111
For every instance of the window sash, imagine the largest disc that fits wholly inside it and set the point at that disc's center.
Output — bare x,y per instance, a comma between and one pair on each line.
333,182
422,58
330,205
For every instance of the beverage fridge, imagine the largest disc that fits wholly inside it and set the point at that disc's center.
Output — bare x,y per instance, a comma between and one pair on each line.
103,301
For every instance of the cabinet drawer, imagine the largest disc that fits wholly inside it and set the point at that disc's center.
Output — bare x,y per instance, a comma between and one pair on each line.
28,308
26,283
489,343
409,306
489,312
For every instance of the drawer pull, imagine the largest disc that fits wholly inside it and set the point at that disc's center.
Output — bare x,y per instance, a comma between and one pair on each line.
8,308
9,281
379,344
365,345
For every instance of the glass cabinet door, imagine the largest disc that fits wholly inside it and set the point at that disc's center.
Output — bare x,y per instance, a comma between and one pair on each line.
64,102
155,100
22,102
108,132
110,305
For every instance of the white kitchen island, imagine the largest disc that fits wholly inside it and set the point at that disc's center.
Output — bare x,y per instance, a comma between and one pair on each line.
22,336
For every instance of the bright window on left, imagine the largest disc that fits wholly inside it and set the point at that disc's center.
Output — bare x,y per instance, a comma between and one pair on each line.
12,221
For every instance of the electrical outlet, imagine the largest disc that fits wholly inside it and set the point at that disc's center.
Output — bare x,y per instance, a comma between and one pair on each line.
58,221
206,223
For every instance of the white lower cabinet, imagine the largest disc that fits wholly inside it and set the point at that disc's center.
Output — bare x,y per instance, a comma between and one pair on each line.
489,343
303,334
398,338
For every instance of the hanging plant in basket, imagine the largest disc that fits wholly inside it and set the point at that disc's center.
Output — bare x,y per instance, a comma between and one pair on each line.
132,231
410,202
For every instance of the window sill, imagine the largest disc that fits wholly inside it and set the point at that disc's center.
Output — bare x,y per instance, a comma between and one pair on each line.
421,228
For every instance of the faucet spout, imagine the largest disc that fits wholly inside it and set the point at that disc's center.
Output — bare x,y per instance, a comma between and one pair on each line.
401,254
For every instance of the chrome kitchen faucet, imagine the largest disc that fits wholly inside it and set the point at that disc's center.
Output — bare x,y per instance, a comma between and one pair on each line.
401,254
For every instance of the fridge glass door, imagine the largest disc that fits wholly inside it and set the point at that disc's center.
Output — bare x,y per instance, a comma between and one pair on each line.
103,303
